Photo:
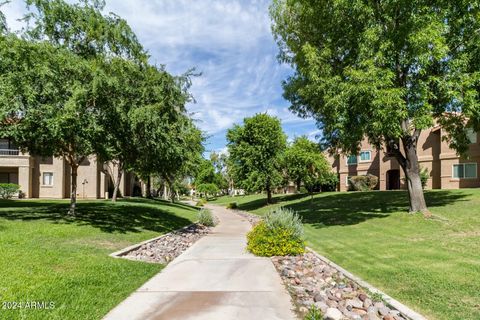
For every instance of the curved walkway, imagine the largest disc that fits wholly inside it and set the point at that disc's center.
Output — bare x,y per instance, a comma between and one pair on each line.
214,279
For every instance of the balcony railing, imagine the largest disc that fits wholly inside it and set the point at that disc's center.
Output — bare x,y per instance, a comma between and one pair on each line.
9,152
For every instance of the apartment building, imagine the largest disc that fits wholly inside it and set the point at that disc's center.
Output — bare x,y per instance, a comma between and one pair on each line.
50,177
446,169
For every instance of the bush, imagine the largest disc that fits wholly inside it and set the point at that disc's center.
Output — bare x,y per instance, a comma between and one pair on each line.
362,183
206,218
280,234
232,205
424,175
8,190
201,203
286,219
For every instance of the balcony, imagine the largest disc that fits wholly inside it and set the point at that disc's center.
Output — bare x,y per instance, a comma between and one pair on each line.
9,152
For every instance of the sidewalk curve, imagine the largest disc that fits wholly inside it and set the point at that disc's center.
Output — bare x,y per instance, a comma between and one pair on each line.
214,279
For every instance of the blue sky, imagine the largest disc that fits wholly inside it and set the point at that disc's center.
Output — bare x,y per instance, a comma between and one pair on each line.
229,41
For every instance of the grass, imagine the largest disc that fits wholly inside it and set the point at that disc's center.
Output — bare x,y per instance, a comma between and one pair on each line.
48,256
432,266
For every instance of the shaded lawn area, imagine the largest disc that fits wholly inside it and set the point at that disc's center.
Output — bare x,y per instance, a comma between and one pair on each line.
46,255
431,265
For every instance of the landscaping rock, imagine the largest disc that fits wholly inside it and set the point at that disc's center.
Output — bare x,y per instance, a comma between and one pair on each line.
333,314
311,281
170,246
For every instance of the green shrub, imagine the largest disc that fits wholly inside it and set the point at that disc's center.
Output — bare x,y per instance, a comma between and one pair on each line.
232,205
362,183
206,218
313,314
8,190
279,234
201,203
281,218
424,175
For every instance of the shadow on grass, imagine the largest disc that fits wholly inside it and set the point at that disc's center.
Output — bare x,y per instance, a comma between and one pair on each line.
130,215
355,207
259,203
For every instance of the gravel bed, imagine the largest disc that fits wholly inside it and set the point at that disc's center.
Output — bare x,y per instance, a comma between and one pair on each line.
311,281
170,246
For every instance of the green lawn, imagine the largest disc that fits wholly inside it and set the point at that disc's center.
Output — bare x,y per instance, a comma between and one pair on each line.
46,255
431,265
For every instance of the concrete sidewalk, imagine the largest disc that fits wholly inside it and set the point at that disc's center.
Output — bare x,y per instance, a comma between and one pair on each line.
214,279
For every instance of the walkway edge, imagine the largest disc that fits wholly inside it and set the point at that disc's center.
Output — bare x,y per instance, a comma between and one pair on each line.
124,251
389,300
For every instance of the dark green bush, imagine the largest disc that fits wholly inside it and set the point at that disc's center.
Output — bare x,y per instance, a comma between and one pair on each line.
362,183
8,190
232,205
280,234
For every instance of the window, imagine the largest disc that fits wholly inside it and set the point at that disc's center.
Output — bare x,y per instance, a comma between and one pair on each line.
465,171
365,156
351,160
47,179
471,135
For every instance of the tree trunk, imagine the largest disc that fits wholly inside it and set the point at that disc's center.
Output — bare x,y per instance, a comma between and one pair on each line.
117,182
269,193
73,194
411,169
299,183
148,192
165,191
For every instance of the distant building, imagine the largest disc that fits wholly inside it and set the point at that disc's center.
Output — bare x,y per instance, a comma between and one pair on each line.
50,177
446,169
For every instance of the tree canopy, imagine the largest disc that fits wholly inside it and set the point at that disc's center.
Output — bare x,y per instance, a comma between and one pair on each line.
382,70
255,150
305,163
77,83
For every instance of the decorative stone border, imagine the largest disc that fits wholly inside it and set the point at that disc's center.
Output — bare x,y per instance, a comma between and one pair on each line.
406,311
123,253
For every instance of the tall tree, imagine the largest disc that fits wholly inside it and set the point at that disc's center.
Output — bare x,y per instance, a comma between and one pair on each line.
255,149
305,163
385,70
92,37
46,102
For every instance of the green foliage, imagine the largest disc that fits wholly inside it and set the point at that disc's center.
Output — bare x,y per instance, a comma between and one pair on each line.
8,190
255,150
207,189
232,205
330,182
313,314
305,163
282,218
201,203
206,173
362,183
424,176
382,70
279,234
266,242
206,218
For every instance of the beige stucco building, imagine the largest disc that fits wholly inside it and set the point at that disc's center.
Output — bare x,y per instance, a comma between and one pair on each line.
50,177
446,169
